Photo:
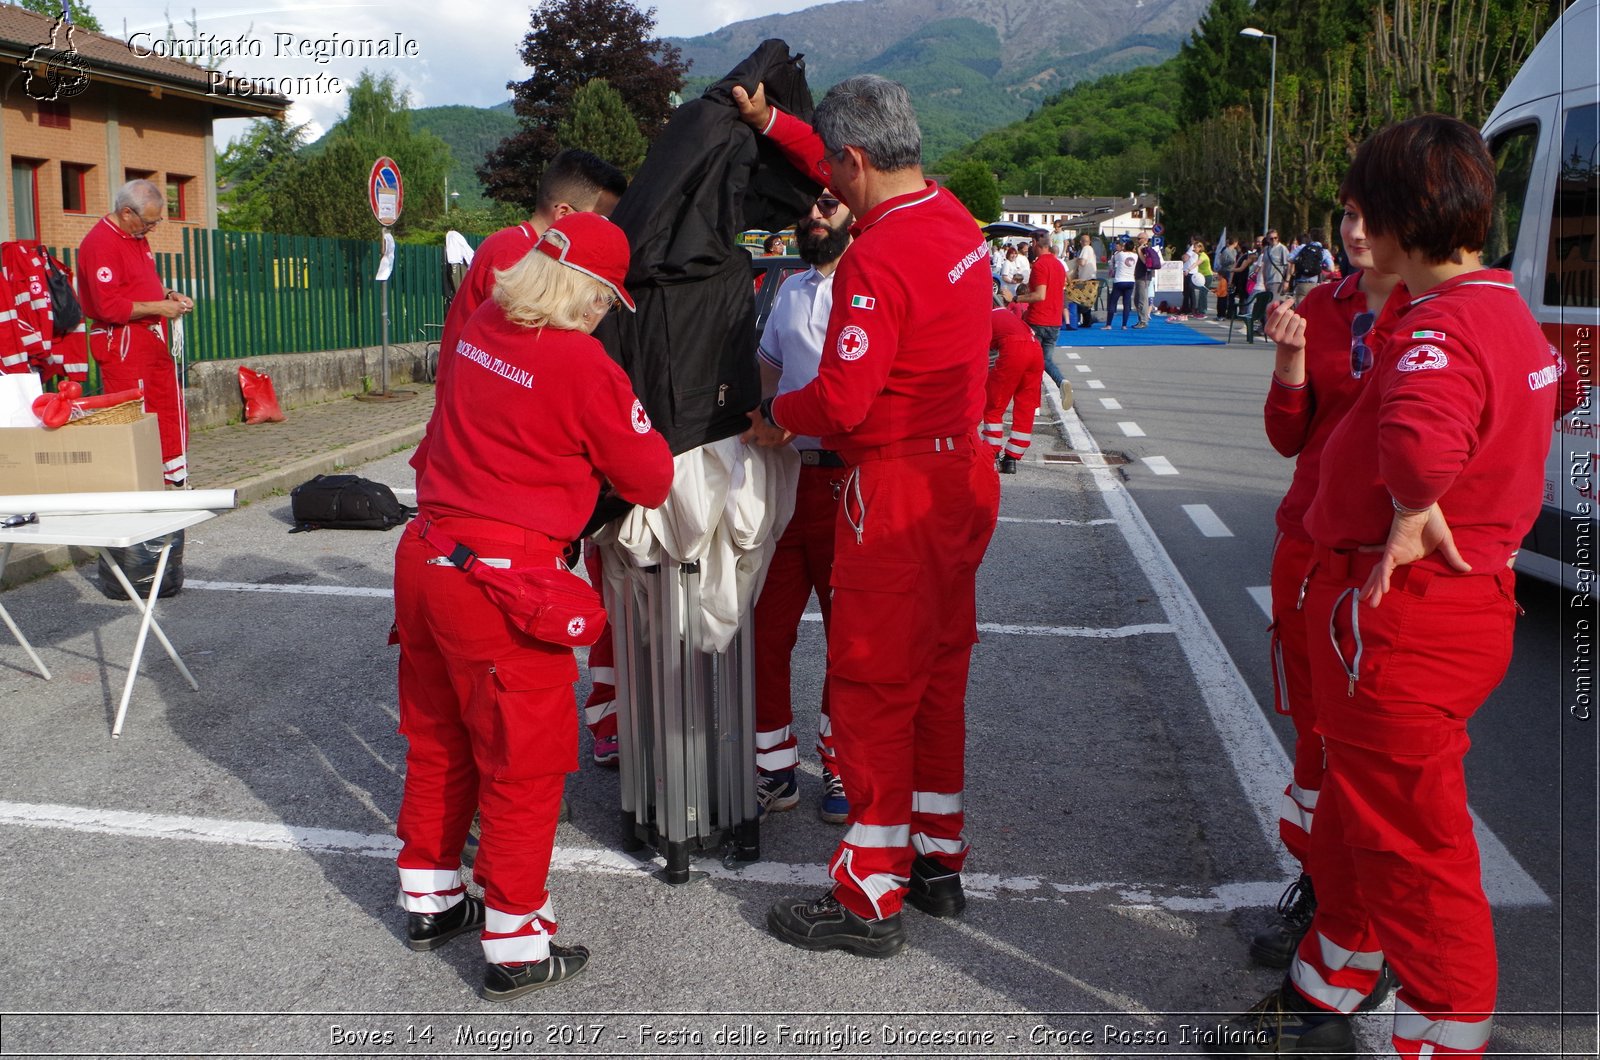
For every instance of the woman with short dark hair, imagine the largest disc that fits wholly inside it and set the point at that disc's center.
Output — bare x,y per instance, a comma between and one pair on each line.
1425,491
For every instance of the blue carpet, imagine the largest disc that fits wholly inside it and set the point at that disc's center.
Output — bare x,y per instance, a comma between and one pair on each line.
1161,332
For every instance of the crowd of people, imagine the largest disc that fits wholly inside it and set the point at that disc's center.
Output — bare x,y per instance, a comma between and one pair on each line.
1413,393
1245,279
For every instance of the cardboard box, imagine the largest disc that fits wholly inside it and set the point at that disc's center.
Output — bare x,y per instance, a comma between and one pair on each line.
81,459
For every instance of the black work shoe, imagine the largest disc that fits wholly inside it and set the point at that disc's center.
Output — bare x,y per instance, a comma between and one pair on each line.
1281,1024
427,931
502,982
1276,944
824,924
1008,465
1380,993
935,890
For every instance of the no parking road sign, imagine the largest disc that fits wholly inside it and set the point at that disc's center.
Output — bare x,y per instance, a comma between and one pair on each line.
385,191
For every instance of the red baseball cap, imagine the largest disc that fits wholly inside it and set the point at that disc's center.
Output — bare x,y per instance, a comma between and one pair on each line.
592,245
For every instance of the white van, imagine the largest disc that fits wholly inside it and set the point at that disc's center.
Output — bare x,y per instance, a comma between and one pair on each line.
1545,138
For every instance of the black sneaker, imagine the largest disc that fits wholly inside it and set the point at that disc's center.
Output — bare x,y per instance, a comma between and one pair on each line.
1281,1024
502,982
823,924
935,890
1008,465
1276,944
427,931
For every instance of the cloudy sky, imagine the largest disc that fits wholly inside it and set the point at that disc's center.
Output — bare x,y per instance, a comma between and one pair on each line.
466,49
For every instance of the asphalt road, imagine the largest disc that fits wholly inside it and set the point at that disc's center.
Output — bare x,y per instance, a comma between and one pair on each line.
220,880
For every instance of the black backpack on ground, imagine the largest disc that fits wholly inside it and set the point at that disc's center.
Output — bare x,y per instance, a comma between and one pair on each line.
1308,263
346,502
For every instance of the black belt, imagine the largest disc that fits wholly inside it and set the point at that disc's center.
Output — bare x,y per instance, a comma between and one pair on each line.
821,458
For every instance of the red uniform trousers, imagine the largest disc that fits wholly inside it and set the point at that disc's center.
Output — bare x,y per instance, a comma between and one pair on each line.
600,709
489,715
1393,855
135,355
801,564
1014,379
1292,693
912,530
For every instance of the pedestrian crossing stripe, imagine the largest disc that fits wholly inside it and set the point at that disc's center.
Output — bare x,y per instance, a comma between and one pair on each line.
861,301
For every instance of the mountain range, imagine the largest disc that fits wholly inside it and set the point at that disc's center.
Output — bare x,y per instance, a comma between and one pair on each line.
971,65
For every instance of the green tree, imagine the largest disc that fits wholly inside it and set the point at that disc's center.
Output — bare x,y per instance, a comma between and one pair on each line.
975,186
1217,67
570,43
326,194
251,174
600,122
81,15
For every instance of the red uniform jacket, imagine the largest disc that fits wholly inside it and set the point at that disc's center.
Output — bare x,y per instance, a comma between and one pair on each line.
501,250
1458,411
1300,418
115,270
1049,273
905,354
1009,335
528,423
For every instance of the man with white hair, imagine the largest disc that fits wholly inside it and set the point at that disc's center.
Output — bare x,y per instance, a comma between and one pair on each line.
126,300
898,395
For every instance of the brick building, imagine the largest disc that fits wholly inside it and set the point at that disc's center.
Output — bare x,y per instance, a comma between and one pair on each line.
117,114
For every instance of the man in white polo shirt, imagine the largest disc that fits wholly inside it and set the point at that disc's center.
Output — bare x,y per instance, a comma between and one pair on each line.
790,351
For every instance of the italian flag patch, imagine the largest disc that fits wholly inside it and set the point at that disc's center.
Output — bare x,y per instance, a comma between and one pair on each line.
861,301
1437,336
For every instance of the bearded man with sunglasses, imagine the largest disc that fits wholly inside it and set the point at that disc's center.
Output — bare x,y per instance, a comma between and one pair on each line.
790,351
899,394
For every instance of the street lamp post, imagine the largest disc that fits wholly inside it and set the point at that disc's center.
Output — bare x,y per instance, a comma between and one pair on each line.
1272,88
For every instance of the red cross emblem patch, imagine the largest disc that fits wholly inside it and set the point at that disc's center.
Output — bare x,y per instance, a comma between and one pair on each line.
641,421
1422,359
852,344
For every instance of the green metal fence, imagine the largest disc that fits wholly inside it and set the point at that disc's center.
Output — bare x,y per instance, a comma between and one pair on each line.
260,293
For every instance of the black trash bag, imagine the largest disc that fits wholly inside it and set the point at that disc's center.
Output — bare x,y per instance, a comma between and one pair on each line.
139,564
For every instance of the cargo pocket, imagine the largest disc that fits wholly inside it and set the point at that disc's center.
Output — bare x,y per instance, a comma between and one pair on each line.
524,717
875,631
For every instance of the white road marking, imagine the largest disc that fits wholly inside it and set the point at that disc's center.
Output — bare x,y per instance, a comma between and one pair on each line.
1262,595
1074,356
1207,520
296,590
1095,384
1111,403
1095,632
1160,465
1059,522
1083,368
1131,429
283,838
1258,759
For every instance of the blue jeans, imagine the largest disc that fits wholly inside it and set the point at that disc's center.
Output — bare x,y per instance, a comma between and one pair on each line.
1047,338
1120,292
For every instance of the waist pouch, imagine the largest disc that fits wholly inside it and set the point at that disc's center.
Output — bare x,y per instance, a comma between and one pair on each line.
548,603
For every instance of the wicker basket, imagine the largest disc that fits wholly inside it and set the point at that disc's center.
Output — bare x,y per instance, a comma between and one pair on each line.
127,412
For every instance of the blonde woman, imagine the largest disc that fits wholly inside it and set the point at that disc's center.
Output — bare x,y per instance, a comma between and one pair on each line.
528,423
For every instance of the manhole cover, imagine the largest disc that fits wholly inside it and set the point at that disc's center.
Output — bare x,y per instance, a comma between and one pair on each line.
1109,458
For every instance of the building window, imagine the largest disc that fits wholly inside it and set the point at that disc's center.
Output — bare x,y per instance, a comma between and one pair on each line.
138,174
178,197
54,115
75,187
25,197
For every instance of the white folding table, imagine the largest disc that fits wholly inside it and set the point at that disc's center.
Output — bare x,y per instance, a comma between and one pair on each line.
100,532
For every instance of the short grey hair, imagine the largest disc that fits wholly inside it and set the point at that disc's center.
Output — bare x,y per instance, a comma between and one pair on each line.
136,195
874,114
